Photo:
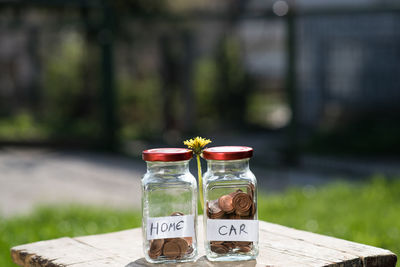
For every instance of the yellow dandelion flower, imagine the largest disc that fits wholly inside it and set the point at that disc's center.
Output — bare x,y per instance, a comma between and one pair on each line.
197,145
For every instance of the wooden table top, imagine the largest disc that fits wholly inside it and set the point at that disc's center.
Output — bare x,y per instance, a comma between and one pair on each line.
279,246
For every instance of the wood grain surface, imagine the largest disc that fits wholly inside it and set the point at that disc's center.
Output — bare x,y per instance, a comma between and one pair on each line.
279,246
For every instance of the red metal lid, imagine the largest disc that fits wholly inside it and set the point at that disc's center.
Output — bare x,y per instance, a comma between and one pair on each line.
167,154
228,152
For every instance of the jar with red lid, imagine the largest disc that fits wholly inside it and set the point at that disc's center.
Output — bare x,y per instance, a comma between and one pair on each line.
230,204
169,206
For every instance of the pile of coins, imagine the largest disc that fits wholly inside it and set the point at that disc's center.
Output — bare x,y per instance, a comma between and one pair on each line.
236,205
171,248
223,247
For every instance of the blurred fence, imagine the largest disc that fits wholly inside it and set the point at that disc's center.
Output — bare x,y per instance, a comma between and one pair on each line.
98,72
348,63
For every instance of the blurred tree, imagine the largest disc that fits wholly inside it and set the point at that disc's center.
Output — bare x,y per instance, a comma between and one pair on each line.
233,84
92,94
65,109
169,74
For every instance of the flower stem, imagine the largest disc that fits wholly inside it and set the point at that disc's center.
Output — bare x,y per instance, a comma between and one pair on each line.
200,181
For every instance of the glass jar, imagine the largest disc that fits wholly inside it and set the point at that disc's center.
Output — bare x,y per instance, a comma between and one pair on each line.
230,204
169,206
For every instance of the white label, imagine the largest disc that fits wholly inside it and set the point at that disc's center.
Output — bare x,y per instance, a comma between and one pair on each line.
170,227
232,230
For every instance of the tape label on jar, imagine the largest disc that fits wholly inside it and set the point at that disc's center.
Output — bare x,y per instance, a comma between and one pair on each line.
170,227
232,230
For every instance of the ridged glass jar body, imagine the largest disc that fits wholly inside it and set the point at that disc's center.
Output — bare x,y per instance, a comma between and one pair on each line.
230,196
169,189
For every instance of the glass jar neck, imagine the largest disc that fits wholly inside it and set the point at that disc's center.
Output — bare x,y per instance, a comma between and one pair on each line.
228,165
167,168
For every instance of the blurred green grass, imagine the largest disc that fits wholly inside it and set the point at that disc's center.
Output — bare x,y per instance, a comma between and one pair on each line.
367,213
362,212
57,221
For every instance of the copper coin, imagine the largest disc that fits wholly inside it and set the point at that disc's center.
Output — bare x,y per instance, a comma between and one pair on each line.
154,255
229,244
245,249
171,250
243,214
215,210
183,245
242,203
156,245
225,203
242,243
219,249
214,207
177,213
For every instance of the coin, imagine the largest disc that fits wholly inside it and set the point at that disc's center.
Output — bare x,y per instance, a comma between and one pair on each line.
171,250
156,245
177,213
215,210
229,244
243,213
242,203
183,245
225,203
242,243
154,255
244,246
219,249
245,249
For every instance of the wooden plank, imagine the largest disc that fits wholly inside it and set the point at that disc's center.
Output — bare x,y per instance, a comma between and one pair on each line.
369,255
304,254
279,246
57,252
